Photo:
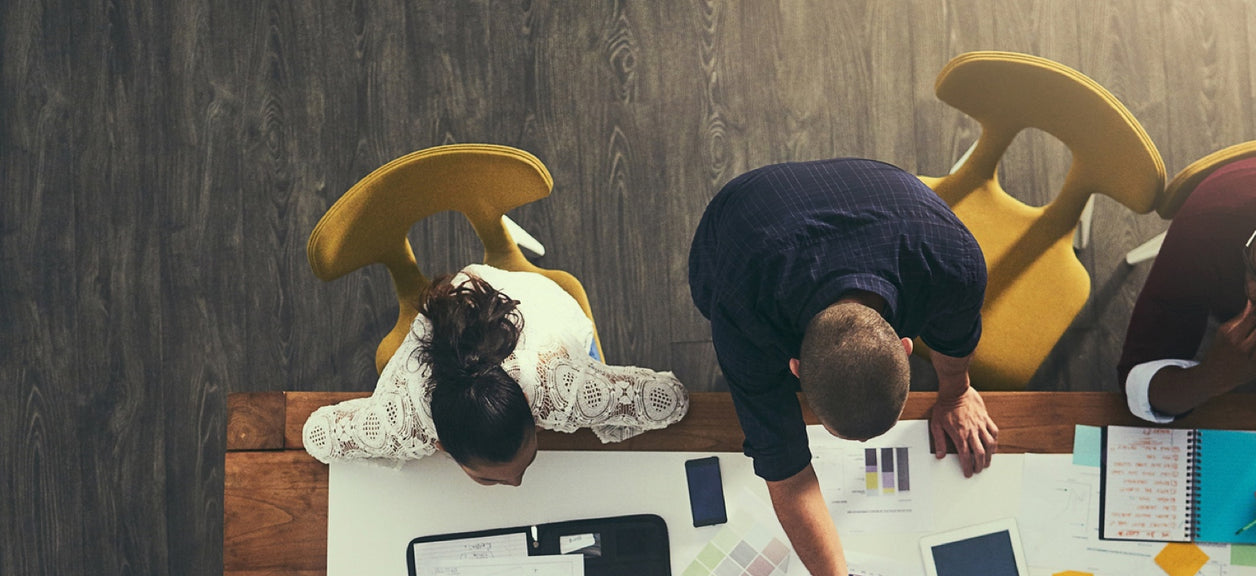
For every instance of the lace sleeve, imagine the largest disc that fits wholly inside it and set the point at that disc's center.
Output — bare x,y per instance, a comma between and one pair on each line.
382,426
394,423
616,402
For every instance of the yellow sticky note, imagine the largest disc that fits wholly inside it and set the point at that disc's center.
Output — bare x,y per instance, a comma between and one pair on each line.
1072,573
1178,559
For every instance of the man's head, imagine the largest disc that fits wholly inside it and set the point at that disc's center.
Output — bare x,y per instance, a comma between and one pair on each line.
853,370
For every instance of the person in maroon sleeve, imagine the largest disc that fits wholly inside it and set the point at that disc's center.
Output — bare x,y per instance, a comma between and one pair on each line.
1206,268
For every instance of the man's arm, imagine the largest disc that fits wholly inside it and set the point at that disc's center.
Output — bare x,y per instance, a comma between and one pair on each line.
1229,363
803,514
960,413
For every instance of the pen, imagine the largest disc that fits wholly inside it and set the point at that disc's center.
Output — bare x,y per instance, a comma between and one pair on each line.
1253,522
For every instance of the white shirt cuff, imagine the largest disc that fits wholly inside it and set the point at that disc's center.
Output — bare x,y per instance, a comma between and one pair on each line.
1138,384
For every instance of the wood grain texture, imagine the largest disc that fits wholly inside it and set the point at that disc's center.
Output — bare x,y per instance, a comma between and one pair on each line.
121,146
165,162
39,451
944,30
1207,88
275,511
255,421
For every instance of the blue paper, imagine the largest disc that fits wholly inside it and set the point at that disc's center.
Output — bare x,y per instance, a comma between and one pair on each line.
1227,475
1086,445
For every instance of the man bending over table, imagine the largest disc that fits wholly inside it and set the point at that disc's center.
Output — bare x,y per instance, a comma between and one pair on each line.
815,277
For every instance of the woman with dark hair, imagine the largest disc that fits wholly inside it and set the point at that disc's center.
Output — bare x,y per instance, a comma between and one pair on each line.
492,356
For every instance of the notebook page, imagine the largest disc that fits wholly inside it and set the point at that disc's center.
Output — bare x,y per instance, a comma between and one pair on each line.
429,555
1147,484
1227,481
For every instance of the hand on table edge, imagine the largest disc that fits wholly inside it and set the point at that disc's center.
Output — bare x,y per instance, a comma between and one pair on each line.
960,413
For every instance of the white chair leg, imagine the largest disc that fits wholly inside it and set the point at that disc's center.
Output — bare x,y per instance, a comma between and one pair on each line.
964,158
1146,251
522,238
1081,236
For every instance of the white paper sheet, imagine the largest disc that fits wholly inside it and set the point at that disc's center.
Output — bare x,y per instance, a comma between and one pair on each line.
882,485
430,554
859,564
569,544
527,566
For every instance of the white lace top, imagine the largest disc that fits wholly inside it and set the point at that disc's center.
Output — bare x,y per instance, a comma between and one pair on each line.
565,387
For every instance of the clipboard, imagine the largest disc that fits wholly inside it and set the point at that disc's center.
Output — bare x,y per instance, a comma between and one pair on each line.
614,546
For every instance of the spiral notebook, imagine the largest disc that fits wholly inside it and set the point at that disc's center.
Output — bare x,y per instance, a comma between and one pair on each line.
1168,485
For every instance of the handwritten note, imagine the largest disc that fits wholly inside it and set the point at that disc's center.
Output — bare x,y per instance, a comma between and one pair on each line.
429,555
1147,484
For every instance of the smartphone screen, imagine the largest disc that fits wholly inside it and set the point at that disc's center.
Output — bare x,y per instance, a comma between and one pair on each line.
706,491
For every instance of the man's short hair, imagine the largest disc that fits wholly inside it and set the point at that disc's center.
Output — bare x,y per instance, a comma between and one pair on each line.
853,371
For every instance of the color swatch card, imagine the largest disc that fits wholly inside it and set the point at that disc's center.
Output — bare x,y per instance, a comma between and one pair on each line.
882,485
742,548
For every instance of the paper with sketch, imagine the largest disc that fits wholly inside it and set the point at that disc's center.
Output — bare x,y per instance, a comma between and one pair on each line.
882,485
557,565
428,555
859,564
1056,503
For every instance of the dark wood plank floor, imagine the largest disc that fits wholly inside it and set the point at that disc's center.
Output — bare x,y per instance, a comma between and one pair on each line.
164,162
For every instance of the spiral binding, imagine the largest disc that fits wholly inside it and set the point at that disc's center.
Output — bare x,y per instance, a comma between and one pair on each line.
1194,477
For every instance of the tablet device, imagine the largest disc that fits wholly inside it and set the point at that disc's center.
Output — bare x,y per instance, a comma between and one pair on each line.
991,549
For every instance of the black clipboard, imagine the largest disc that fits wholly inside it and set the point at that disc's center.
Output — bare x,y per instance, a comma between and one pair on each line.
622,545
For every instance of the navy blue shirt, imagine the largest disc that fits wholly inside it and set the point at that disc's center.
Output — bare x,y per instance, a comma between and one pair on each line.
779,244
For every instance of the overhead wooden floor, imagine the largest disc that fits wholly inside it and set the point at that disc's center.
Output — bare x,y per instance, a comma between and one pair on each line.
164,162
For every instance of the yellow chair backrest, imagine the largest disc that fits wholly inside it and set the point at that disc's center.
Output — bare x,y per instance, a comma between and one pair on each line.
369,223
1185,182
1036,284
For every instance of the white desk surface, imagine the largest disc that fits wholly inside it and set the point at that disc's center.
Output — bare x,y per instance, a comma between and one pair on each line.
374,511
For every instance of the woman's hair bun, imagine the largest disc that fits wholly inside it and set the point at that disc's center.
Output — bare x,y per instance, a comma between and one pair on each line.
474,328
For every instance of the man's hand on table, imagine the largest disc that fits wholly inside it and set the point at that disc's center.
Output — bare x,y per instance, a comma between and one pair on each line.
964,420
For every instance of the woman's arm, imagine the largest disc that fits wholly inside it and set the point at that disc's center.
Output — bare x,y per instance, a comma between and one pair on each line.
616,402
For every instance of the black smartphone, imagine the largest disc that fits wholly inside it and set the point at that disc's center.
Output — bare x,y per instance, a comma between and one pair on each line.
706,491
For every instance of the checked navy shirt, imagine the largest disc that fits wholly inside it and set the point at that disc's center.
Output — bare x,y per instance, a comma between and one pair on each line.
779,244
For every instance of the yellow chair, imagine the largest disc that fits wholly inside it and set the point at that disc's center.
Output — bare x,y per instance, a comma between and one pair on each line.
1180,188
369,223
1036,284
1189,178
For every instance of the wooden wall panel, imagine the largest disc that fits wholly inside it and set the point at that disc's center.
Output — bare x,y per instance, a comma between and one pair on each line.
166,162
943,31
39,451
1127,57
1208,91
121,143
